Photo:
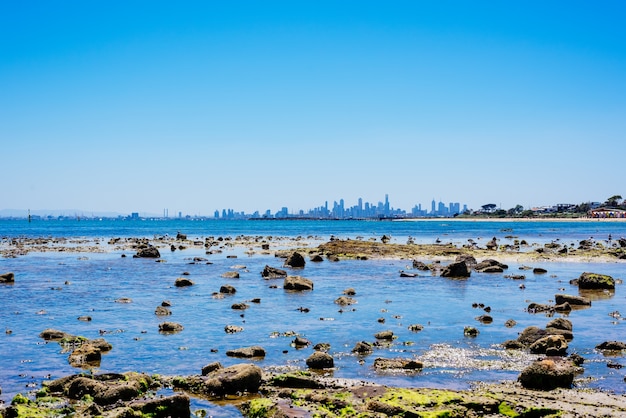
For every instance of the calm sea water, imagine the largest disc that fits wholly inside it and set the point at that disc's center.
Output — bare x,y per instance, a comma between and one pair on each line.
53,289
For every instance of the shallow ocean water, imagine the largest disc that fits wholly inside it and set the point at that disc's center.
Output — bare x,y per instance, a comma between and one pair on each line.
53,289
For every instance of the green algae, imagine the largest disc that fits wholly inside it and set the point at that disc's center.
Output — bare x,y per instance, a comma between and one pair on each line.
260,408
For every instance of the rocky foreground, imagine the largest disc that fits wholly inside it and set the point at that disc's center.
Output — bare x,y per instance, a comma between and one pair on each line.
543,389
297,394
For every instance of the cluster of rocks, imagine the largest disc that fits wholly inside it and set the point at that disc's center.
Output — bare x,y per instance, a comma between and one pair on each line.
84,353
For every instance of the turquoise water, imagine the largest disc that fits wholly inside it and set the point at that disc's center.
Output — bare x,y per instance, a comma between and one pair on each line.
53,289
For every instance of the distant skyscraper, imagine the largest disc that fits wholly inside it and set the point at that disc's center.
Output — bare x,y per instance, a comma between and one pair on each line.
432,207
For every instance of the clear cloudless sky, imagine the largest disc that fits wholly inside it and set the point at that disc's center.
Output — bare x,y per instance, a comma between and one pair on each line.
195,106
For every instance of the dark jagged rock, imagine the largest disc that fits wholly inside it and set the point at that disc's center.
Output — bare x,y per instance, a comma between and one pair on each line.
7,278
148,252
228,289
458,269
612,346
183,282
295,260
470,332
273,273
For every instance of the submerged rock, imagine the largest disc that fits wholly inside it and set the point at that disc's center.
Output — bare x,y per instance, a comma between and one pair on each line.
247,352
397,363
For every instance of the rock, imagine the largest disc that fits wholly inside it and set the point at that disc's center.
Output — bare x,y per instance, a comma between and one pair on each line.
407,274
538,307
595,281
467,259
228,289
611,346
510,323
321,347
295,260
385,239
418,265
231,275
515,276
492,245
548,374
54,335
539,270
349,291
211,367
183,282
397,363
345,301
362,347
551,345
384,335
232,329
513,345
300,342
577,359
84,318
470,332
531,334
247,352
231,380
170,327
485,319
162,311
180,236
273,273
563,307
320,360
7,278
297,283
317,258
458,269
86,356
239,306
560,323
177,405
416,327
490,266
148,252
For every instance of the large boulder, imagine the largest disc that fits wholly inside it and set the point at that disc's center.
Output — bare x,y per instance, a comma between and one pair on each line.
231,380
7,278
148,252
295,260
320,360
548,374
457,269
594,281
297,283
273,273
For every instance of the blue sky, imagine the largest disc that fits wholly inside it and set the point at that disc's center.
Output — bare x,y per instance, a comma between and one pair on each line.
197,106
